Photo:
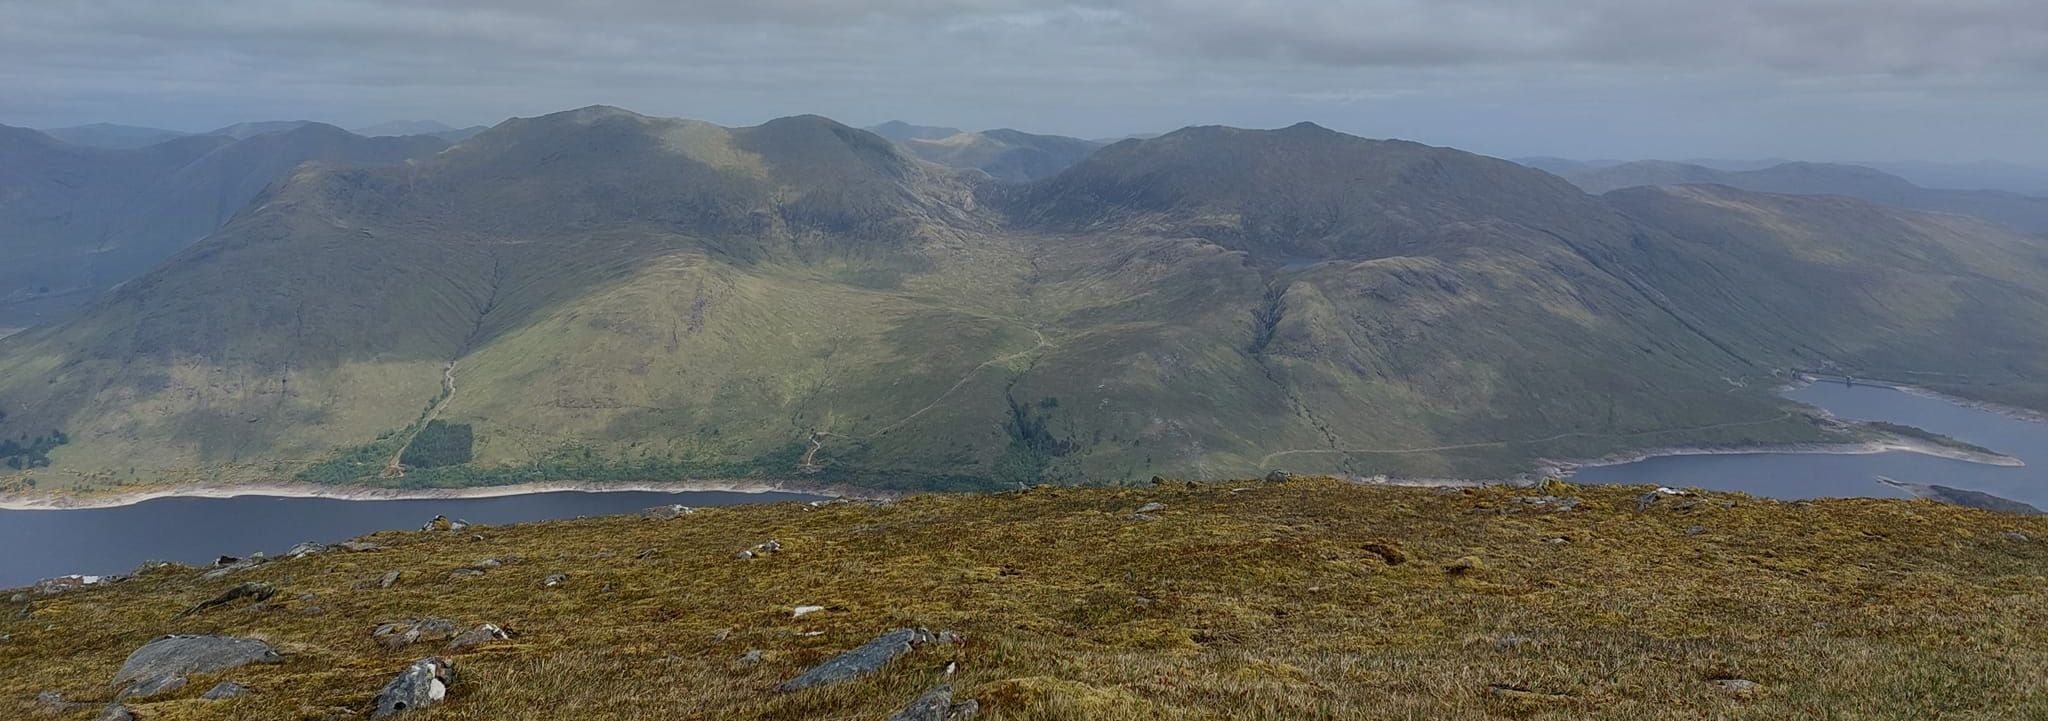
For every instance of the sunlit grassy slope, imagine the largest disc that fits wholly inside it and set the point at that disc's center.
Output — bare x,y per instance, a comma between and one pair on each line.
1300,600
619,297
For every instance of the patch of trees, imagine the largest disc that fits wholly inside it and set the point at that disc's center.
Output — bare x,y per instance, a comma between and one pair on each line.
23,452
441,444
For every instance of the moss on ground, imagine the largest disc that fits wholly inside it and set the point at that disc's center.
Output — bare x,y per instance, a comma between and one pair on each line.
1277,601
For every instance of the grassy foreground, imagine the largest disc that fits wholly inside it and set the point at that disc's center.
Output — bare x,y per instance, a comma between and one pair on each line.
1256,601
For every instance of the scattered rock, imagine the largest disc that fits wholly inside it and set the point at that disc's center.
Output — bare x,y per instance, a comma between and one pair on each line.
390,579
466,573
802,611
2015,536
1154,507
18,597
406,633
937,705
1645,501
866,659
1509,642
554,579
303,550
762,549
115,712
1279,477
1695,530
359,546
667,513
228,565
182,655
486,633
257,591
1465,566
225,690
1737,686
1554,503
54,702
751,657
1554,540
65,584
419,686
1390,553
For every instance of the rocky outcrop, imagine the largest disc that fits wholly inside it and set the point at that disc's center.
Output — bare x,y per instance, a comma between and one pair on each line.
866,659
481,635
160,665
937,705
423,684
255,591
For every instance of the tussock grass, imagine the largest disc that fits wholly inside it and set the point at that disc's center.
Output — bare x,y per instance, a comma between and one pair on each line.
1277,601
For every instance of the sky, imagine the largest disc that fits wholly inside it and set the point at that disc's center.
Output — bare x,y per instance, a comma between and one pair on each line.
1943,80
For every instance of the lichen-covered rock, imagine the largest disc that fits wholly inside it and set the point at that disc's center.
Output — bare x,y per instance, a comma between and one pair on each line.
419,686
183,655
483,634
866,659
400,634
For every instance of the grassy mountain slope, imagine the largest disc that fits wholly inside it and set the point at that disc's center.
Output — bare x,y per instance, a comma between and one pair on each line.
112,136
2025,213
79,220
1935,300
1003,154
1308,599
599,295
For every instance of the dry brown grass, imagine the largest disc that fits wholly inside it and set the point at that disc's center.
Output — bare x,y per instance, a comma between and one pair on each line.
1271,603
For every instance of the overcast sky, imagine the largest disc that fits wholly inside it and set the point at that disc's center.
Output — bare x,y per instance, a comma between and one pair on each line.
1810,79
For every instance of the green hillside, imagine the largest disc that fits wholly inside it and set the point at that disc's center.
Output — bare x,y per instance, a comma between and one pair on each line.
600,295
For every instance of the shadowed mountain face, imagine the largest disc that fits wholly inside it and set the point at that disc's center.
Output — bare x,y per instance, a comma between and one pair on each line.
598,294
80,219
113,137
2025,213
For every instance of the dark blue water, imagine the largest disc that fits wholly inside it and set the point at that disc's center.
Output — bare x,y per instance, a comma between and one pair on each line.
107,541
1791,475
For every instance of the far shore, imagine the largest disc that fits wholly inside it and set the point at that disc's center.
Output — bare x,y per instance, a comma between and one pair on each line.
348,493
1891,445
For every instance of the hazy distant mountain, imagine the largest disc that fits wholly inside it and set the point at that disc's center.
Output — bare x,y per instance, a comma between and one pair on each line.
2027,213
78,220
109,135
1987,175
900,131
1004,154
243,131
403,127
597,294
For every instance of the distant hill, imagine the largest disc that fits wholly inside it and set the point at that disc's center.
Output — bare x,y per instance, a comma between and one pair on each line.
80,220
598,294
420,127
244,131
1004,154
900,131
1986,175
2026,213
109,135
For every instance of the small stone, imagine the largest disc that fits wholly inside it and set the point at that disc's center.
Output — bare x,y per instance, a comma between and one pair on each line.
554,579
303,550
1511,642
486,633
751,657
405,633
54,702
1695,530
466,573
1555,540
936,705
390,579
1465,566
1152,508
360,546
1645,501
802,611
1737,686
225,690
1279,477
419,686
115,712
2015,536
488,563
667,513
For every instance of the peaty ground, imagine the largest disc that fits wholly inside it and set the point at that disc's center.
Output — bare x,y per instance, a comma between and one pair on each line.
1299,600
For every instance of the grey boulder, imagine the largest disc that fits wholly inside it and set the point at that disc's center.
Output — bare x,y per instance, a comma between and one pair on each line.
420,685
182,655
866,659
937,705
225,690
486,633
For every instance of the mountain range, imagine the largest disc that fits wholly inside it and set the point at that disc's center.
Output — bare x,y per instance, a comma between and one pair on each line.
1003,154
2026,213
597,294
79,219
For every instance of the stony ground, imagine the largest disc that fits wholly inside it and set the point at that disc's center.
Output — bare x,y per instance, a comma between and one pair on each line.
1299,600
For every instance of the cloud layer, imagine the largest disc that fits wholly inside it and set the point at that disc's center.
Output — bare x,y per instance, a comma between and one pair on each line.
1942,78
